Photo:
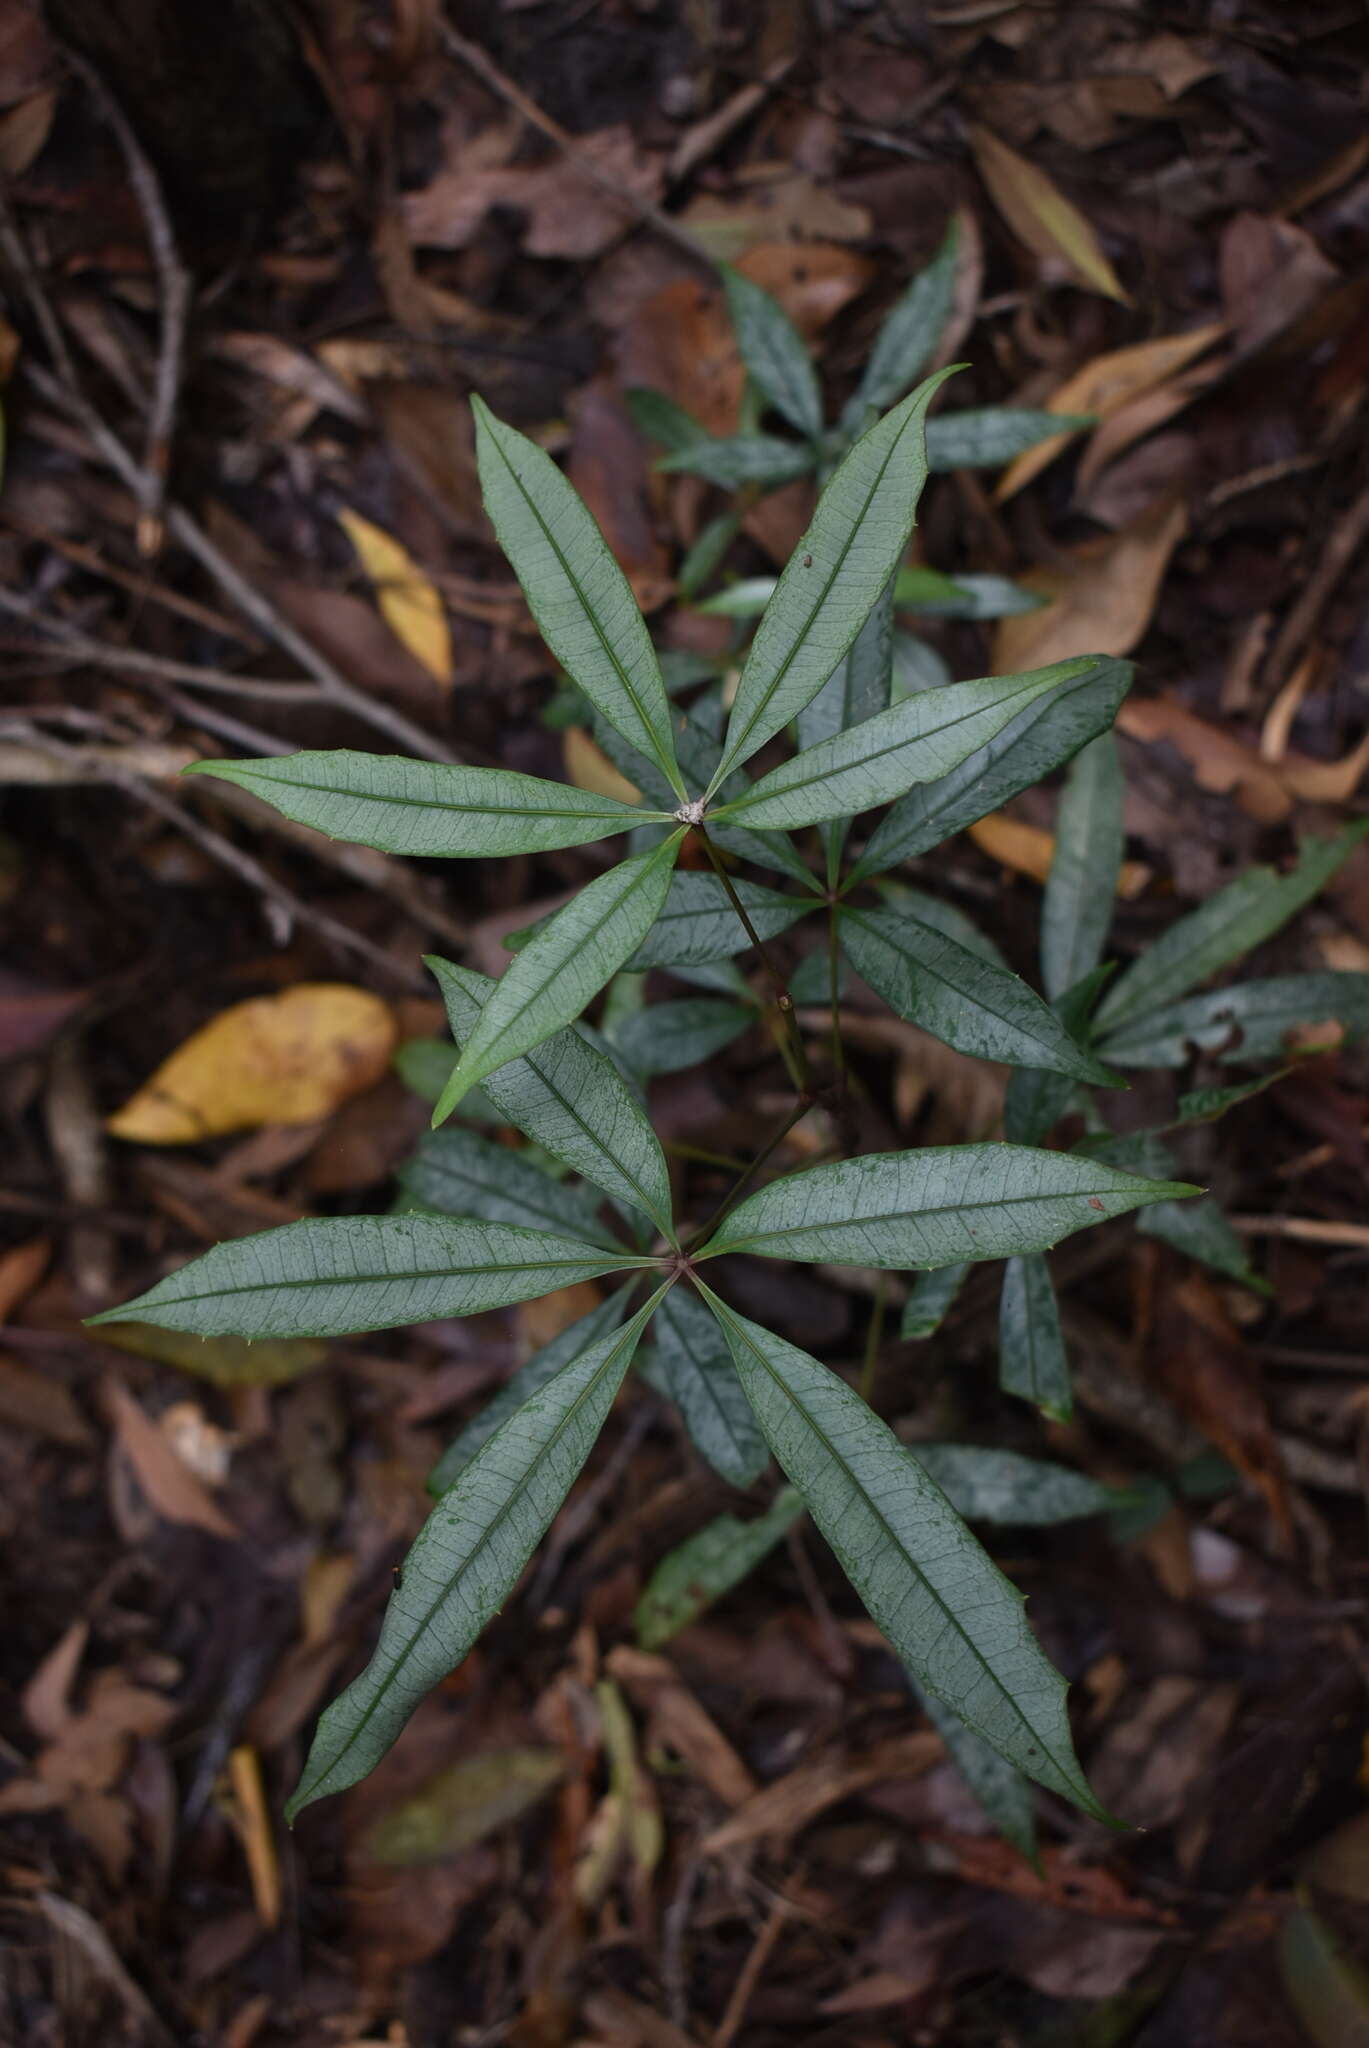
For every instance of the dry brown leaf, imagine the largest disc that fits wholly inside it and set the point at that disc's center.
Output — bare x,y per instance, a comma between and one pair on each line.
539,1321
1271,273
285,1059
781,205
589,767
1101,602
23,131
1041,216
1221,763
170,1485
408,602
568,213
21,1268
1029,850
611,465
253,1820
33,1400
781,1809
1105,386
46,1699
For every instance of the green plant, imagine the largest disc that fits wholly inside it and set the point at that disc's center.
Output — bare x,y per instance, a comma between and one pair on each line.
479,1228
782,379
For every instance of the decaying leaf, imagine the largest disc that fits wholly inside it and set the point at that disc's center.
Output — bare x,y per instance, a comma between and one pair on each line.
589,767
1101,602
1041,216
285,1059
1030,849
463,1804
165,1478
1108,384
408,602
223,1361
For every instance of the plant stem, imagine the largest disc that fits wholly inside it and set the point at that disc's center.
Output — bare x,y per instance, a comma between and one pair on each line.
730,1200
784,1002
834,990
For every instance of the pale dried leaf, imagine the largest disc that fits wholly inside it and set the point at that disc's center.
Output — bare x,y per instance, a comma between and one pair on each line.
1041,216
170,1485
287,1059
408,601
1100,600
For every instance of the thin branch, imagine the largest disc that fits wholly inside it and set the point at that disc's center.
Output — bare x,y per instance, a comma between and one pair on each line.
731,1199
105,654
174,293
797,1060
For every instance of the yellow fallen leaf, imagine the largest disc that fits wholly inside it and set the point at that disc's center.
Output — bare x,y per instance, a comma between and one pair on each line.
1040,215
1101,597
1107,384
589,767
223,1361
408,602
284,1059
1029,850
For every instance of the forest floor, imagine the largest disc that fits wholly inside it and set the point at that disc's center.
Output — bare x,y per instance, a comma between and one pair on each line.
205,382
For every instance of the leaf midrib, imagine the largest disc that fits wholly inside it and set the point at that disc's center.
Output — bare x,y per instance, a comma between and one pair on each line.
611,1262
611,807
732,751
516,1494
663,759
899,1215
1085,1069
838,1460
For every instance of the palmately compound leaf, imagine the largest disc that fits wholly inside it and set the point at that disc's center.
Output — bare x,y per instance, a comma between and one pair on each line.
773,351
552,979
580,598
426,809
1240,916
699,921
700,1378
1076,912
833,578
567,1096
932,1207
918,740
947,1610
458,1174
985,438
331,1275
989,1485
1049,732
544,1365
468,1558
1032,1361
930,1300
961,998
1252,1020
908,338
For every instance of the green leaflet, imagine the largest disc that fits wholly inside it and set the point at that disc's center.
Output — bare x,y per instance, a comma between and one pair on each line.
968,597
932,1207
1032,1361
918,740
731,461
1200,1231
929,1301
541,1367
744,599
458,1174
661,419
858,690
468,1558
988,436
425,809
331,1275
1076,912
705,555
570,959
699,922
1002,1791
701,1380
1037,1100
1326,1984
772,348
708,1564
669,1036
1239,917
948,1611
578,595
1050,731
822,600
957,995
988,1485
906,341
567,1096
1253,1020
